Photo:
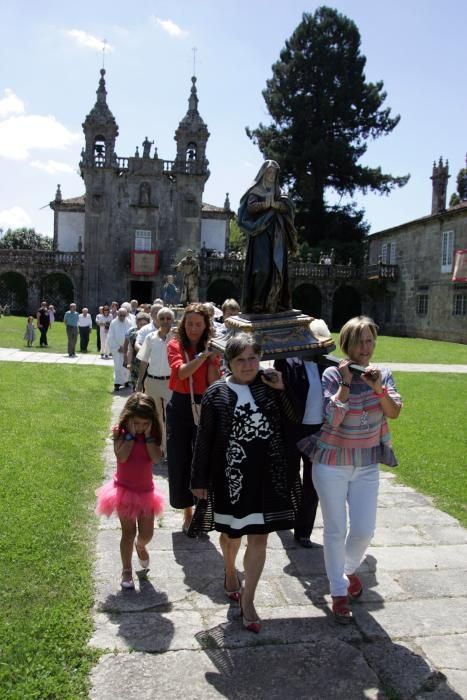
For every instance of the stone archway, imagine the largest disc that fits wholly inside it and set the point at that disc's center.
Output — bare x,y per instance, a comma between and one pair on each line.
346,304
14,292
221,289
57,289
307,297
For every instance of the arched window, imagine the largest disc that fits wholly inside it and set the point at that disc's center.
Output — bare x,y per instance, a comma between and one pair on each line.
191,151
99,151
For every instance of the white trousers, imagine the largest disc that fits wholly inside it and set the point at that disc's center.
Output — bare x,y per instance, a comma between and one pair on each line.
160,392
348,498
121,372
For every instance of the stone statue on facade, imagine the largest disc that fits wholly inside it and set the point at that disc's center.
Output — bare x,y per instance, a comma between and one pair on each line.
266,216
147,147
189,268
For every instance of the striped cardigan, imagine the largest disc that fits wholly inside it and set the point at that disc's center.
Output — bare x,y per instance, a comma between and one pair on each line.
355,432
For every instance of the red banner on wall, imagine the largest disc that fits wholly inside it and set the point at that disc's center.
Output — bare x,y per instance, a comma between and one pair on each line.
144,262
459,273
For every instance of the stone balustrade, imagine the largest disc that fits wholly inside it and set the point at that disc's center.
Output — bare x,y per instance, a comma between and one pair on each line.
46,258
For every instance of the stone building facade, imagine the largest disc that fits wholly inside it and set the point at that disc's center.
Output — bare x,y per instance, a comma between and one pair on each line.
424,301
138,214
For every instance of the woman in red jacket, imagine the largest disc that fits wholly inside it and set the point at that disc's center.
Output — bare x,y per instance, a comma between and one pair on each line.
193,368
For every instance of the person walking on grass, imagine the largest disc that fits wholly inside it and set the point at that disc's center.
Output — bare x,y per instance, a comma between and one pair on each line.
43,323
30,333
71,322
132,493
84,328
346,454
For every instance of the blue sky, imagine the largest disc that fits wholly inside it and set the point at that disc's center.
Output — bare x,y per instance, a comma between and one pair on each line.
50,58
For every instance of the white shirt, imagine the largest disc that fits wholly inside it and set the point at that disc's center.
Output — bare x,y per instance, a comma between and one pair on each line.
85,321
117,332
144,331
314,401
154,351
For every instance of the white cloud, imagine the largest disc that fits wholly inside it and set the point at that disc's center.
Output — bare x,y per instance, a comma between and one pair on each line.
88,41
53,166
10,104
15,217
170,27
19,135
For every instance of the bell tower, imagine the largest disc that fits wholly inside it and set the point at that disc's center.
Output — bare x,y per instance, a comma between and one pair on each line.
100,131
191,138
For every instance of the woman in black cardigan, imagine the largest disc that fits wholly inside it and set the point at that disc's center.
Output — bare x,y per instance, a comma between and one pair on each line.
239,467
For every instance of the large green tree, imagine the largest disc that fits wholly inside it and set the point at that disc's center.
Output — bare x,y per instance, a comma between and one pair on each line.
461,192
25,239
323,114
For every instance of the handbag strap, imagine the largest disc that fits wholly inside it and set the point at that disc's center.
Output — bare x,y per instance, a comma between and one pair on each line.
190,380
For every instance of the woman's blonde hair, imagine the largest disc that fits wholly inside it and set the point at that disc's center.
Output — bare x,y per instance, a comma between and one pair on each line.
351,332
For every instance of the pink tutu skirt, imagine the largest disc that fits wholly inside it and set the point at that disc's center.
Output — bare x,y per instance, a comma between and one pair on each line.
126,503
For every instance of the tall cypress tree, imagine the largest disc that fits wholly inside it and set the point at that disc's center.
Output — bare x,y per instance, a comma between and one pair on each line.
323,114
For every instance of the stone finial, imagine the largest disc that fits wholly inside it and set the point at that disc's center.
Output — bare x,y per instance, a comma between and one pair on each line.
58,194
439,178
227,202
137,152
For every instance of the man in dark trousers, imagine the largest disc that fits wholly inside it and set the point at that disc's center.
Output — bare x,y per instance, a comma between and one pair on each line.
43,323
303,379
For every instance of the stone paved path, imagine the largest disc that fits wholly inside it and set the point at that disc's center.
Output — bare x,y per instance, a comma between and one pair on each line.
17,355
177,636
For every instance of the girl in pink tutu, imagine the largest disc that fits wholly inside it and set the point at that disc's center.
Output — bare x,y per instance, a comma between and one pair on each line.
132,493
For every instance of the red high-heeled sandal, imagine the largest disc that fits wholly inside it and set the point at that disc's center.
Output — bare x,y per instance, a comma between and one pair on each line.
340,609
355,588
250,625
232,595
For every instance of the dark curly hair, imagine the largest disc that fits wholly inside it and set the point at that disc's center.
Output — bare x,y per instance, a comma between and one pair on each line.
207,333
140,405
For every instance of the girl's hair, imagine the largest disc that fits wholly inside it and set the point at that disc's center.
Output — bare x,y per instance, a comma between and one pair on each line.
140,405
238,343
352,330
207,333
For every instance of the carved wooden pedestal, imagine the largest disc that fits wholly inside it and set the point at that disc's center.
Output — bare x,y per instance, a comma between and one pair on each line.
285,334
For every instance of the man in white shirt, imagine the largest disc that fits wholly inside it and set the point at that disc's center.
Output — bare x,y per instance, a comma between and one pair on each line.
149,328
153,357
84,328
116,340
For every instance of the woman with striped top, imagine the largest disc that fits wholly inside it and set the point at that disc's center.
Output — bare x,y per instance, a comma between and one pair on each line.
346,453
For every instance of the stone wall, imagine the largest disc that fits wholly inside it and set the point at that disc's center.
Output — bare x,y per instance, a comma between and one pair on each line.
422,300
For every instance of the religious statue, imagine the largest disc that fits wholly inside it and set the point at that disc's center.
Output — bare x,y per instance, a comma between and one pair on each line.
266,216
189,268
147,147
170,292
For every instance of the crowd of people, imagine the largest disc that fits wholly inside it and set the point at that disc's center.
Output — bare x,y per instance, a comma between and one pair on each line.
234,435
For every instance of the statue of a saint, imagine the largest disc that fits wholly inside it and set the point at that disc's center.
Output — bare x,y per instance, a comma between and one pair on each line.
189,268
267,218
147,147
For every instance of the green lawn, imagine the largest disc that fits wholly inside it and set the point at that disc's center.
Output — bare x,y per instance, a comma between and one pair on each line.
418,350
430,439
53,421
12,330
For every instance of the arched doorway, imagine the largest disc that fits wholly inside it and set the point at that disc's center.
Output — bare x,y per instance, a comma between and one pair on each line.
307,298
57,289
14,292
222,289
346,304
